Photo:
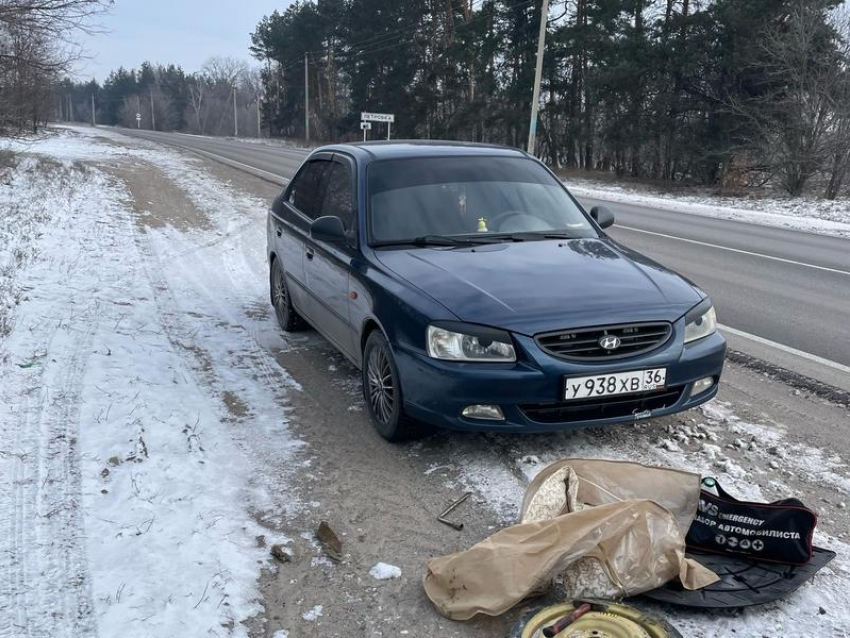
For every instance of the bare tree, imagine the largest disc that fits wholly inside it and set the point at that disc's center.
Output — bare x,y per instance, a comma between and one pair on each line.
212,95
838,136
223,70
36,46
791,120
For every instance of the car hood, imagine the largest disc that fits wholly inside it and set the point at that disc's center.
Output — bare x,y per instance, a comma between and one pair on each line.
537,286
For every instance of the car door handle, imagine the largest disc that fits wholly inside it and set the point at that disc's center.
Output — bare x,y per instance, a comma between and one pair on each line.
310,253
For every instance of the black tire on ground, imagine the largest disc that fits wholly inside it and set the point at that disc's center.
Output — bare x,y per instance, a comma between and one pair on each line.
382,392
287,316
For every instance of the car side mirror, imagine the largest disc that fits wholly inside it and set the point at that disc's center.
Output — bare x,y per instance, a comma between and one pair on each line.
603,216
328,229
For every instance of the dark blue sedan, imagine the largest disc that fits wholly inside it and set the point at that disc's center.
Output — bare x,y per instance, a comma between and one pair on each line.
474,292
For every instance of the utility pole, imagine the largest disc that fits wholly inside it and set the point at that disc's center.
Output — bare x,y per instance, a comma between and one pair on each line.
235,120
93,117
153,117
306,103
259,121
538,71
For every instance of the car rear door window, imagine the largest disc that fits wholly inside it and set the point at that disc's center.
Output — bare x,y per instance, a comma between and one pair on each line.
305,193
339,198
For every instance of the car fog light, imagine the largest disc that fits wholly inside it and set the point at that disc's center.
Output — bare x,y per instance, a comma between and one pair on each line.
488,412
702,385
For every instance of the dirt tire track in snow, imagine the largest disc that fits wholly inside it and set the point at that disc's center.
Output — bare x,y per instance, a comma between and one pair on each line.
198,266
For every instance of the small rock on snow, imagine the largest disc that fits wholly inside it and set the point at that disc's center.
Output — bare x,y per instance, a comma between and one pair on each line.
382,571
280,553
711,451
670,445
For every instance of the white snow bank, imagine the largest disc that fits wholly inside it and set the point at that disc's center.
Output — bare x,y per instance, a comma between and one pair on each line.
812,215
383,571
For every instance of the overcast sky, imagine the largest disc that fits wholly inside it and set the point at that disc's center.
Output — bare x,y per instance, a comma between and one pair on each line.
185,32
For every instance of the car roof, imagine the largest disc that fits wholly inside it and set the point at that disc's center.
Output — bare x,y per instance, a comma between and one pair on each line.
403,149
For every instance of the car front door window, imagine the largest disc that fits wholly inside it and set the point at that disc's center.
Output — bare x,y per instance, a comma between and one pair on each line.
305,193
339,200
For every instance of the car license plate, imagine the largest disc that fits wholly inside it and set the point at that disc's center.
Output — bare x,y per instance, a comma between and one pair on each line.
603,385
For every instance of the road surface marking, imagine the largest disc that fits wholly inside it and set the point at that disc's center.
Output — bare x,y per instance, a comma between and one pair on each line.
738,250
773,344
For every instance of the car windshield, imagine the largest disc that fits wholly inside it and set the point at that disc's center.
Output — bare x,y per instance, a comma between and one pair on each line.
477,196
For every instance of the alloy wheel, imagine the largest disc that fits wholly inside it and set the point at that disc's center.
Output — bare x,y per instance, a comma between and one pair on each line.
381,387
279,293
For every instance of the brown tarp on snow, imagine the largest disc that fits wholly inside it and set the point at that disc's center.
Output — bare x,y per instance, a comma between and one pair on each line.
587,521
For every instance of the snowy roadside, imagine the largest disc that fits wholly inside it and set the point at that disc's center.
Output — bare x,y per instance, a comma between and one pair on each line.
811,215
144,445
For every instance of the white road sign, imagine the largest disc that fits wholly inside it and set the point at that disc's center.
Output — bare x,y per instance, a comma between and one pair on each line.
138,116
366,126
377,117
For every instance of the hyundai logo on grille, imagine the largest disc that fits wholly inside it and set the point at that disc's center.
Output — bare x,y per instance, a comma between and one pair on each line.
609,342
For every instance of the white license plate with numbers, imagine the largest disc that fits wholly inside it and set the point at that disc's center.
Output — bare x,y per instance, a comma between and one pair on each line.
605,385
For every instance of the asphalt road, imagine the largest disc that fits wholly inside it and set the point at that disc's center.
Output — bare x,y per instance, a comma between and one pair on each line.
782,289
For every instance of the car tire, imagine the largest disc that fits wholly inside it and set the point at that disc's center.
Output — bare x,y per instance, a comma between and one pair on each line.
287,316
382,392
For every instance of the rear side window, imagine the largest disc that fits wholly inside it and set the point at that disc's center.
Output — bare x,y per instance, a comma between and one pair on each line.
305,193
339,199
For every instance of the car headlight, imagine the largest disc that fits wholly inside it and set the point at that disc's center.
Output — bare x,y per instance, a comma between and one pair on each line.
700,322
469,343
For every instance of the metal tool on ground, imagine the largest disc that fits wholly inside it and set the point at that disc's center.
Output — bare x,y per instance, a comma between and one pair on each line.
559,626
603,619
442,517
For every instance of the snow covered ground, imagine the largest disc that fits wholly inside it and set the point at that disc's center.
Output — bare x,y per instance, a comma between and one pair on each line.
811,215
143,436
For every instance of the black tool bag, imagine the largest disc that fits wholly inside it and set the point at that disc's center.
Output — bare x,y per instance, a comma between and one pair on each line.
780,532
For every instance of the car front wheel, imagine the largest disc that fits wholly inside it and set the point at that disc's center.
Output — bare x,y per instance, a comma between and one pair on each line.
382,391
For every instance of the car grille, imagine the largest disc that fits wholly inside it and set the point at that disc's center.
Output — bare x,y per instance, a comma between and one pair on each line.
583,343
596,409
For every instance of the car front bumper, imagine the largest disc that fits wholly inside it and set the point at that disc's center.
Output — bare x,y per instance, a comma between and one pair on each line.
529,392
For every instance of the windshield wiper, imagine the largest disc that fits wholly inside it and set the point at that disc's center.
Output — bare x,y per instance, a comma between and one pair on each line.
532,236
435,240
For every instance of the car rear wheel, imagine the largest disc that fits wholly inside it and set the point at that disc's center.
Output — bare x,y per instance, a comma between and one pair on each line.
287,316
382,392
